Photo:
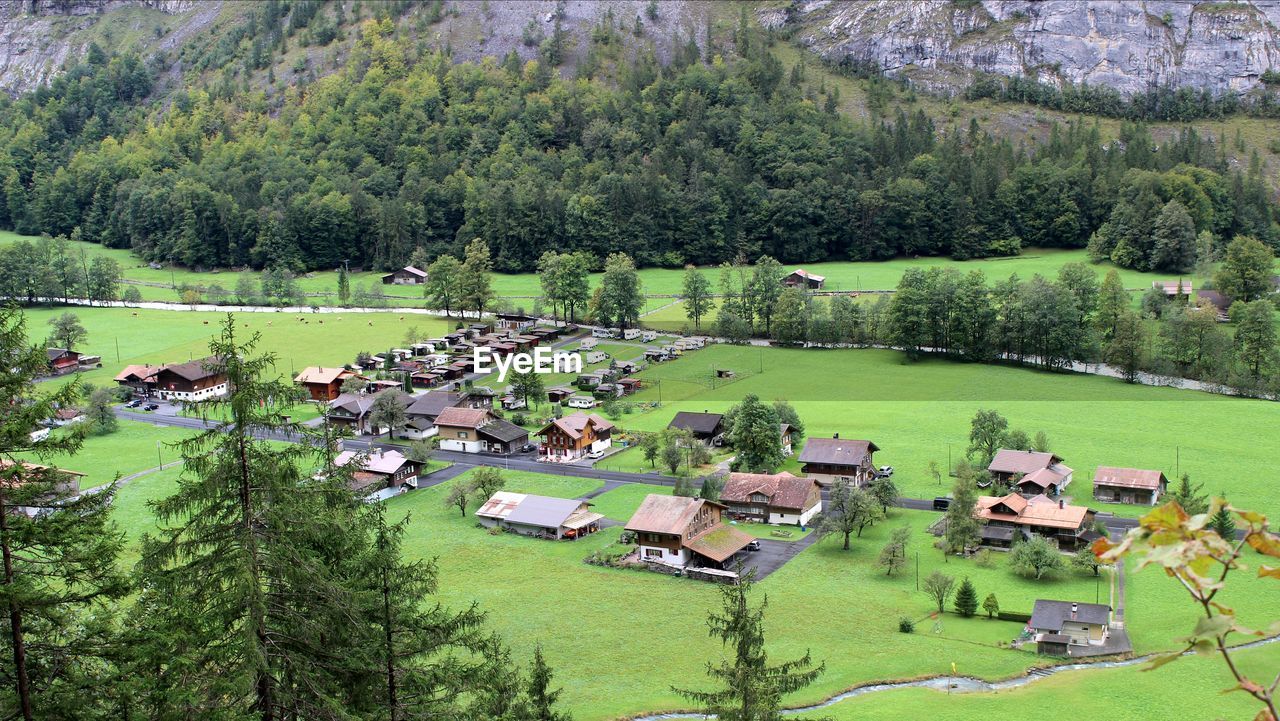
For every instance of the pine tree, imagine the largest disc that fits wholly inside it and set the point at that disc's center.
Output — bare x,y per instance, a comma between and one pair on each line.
59,558
966,598
541,698
246,600
1190,496
752,690
1223,524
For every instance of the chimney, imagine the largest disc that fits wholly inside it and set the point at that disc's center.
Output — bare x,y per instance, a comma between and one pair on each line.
835,436
1061,503
1074,608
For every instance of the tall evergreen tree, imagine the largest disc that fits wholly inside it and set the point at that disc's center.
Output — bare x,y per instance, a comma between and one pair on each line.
443,289
246,588
966,598
59,552
752,690
696,290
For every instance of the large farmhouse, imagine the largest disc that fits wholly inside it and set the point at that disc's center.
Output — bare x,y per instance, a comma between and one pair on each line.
680,531
828,460
1008,517
382,472
772,498
706,427
195,380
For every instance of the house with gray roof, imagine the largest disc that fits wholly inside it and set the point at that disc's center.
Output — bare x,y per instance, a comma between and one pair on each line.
827,460
541,516
1057,626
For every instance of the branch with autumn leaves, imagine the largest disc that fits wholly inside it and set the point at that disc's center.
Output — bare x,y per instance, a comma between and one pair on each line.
1191,552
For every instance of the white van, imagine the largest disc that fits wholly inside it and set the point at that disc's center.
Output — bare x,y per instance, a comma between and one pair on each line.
581,402
602,333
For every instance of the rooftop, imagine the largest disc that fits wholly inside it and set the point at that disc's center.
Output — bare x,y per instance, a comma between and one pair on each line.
836,451
1128,478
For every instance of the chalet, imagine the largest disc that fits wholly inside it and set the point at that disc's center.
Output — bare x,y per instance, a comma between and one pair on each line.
1057,626
786,435
1030,472
630,385
574,436
62,361
407,275
53,485
559,394
476,430
828,460
139,378
380,471
517,322
772,498
196,380
706,427
680,531
1174,288
351,410
801,278
1128,485
323,384
541,516
1005,517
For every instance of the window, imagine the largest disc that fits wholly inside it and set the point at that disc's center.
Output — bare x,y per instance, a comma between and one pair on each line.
462,434
653,553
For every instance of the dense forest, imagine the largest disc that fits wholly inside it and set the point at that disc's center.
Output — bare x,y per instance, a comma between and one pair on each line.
701,160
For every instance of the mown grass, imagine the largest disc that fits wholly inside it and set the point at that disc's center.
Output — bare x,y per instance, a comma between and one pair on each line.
134,447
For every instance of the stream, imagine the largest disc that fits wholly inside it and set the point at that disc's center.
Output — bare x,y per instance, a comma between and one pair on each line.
955,684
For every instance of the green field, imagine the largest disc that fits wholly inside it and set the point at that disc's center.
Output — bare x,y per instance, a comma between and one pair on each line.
133,448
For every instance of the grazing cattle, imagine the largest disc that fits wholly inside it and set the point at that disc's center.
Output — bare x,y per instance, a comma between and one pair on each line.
370,323
206,322
135,315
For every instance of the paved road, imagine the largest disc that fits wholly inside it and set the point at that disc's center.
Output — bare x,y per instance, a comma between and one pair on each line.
528,462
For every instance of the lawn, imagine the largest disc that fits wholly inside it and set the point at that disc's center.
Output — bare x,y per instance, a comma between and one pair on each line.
764,530
134,447
620,503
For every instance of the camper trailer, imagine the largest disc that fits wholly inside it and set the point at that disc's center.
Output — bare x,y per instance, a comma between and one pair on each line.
603,333
595,356
631,334
649,336
588,344
581,402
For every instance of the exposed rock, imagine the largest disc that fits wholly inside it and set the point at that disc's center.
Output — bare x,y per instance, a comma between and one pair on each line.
1129,45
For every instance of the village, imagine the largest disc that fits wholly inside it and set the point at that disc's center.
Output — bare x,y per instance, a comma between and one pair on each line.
400,408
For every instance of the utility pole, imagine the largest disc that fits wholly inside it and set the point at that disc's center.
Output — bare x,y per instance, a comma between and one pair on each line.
917,570
117,349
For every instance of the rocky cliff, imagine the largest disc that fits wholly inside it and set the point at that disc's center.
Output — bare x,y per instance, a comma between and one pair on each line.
1129,45
39,37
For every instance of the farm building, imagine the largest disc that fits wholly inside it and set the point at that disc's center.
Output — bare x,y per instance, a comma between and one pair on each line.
828,460
407,275
779,498
542,516
1128,485
680,531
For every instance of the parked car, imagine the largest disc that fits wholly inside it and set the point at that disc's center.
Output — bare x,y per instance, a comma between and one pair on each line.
528,448
595,455
151,407
133,404
885,471
941,503
753,546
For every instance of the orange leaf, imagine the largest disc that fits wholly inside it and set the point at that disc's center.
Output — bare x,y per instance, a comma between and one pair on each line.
1265,543
1268,572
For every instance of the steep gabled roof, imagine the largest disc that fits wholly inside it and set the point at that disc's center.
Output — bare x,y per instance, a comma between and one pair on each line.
1052,614
806,274
501,430
322,376
701,423
575,423
195,370
432,404
384,462
664,514
1011,461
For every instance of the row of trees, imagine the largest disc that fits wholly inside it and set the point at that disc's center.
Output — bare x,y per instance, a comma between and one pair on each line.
266,591
48,269
687,163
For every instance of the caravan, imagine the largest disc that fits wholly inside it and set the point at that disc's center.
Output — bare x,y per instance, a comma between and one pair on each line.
631,334
581,402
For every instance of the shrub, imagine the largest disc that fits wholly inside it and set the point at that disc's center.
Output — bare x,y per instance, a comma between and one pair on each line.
983,558
906,625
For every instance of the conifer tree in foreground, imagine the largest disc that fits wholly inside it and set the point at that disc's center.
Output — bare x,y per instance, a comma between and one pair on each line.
752,689
59,553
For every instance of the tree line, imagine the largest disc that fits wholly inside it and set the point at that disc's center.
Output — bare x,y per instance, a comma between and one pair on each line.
403,150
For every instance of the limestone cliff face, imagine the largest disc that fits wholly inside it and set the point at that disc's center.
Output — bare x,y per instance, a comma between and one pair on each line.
1129,45
37,37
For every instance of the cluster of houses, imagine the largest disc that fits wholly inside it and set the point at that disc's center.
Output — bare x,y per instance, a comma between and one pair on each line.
193,380
1034,504
1185,290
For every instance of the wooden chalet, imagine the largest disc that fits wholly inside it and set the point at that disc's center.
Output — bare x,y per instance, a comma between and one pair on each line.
779,498
407,275
381,471
477,430
45,486
801,278
323,384
705,426
1030,472
62,361
680,531
1128,485
195,380
828,460
574,436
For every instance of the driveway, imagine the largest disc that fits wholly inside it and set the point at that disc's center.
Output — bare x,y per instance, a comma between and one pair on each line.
773,554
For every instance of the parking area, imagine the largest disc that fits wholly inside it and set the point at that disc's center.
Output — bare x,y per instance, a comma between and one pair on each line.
773,554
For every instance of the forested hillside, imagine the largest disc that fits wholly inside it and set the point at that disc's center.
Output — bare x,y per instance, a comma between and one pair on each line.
699,160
